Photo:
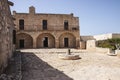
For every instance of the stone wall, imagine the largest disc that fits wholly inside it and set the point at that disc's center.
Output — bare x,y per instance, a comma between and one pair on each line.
117,52
85,38
6,33
33,21
82,44
83,41
103,36
102,50
28,40
116,35
91,45
107,36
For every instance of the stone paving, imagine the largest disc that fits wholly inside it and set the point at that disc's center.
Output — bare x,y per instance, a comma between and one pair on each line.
47,66
92,66
33,68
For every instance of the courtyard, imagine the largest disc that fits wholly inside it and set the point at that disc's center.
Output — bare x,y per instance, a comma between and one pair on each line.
43,64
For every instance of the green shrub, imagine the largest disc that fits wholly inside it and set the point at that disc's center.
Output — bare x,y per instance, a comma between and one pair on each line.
109,43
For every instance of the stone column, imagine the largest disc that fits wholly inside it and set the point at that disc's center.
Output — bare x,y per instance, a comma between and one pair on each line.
34,43
57,43
77,43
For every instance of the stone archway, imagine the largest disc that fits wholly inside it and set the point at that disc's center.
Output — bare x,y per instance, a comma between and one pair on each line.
67,40
24,40
45,40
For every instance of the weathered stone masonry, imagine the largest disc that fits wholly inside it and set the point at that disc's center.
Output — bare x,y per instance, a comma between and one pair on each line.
38,30
6,33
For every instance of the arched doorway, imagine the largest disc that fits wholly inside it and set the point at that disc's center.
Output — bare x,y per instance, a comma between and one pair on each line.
24,40
67,40
45,40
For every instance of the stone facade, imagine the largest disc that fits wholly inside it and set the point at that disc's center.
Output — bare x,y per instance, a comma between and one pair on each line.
6,33
38,30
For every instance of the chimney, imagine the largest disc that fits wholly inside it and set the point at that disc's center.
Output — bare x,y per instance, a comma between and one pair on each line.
72,14
32,10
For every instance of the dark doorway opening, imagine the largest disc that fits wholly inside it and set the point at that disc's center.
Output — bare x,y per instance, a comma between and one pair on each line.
21,43
45,42
66,42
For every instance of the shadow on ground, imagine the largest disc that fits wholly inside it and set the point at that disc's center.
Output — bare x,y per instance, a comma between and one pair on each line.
13,70
33,68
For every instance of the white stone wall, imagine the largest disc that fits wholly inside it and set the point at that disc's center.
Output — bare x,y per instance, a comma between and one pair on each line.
85,38
91,46
103,36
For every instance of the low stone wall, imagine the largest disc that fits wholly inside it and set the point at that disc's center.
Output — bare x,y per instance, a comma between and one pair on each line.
103,50
91,47
82,45
53,50
78,51
117,52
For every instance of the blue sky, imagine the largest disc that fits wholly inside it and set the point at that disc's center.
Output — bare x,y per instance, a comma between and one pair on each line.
95,16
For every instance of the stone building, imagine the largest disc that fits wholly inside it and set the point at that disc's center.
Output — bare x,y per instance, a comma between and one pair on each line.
38,30
6,33
89,42
83,41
